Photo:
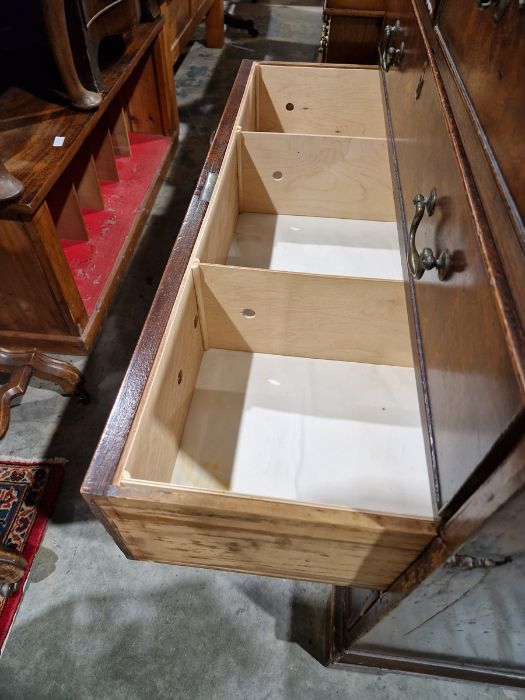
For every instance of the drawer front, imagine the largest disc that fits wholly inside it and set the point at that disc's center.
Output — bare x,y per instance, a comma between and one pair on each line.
356,5
258,536
489,56
472,390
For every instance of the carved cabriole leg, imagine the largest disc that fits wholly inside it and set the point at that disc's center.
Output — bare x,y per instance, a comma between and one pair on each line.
21,366
15,386
12,569
57,32
10,187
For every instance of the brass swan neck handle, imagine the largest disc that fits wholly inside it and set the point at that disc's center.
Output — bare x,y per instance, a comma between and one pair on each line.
419,263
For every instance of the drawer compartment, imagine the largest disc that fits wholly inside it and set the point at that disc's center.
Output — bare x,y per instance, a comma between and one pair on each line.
279,431
265,441
309,100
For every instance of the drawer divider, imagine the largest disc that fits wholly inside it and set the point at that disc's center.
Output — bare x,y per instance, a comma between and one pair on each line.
197,281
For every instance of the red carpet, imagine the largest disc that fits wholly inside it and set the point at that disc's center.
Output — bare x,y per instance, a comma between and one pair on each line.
28,489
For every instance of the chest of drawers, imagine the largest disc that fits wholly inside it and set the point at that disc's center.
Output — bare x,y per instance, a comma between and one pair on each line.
319,393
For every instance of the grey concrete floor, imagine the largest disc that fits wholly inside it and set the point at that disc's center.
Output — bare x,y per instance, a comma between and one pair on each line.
95,625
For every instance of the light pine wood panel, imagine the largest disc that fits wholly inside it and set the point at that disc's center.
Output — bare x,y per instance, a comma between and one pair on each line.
347,178
120,135
319,100
104,157
157,431
85,177
219,224
319,316
65,211
265,537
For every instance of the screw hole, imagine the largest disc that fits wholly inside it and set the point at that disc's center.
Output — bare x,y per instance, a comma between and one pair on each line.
248,313
195,321
290,106
277,175
179,377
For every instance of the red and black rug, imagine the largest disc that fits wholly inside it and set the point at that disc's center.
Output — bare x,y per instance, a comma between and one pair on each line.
28,489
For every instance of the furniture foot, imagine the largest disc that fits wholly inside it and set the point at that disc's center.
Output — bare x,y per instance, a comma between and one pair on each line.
10,187
215,25
12,569
21,366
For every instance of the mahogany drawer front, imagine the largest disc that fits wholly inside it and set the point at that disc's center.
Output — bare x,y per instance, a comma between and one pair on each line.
271,425
472,390
355,5
489,56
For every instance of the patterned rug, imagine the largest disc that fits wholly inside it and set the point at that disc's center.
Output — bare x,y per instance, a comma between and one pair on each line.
28,489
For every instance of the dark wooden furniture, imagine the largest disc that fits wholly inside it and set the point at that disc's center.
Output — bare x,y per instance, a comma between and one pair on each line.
21,366
351,31
89,179
433,590
182,17
12,570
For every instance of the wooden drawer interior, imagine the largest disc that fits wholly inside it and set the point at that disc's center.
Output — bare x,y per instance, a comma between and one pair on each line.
279,380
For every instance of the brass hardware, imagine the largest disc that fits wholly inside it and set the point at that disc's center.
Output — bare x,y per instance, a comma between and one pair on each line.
325,33
421,82
389,55
419,263
500,7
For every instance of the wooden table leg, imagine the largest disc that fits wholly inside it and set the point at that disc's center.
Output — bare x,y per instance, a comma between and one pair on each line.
21,366
215,25
12,569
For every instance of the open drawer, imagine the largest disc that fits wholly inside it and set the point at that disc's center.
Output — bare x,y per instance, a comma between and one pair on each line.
269,421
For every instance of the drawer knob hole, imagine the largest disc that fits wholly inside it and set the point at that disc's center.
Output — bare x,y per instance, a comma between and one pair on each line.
277,175
290,106
248,313
195,321
179,377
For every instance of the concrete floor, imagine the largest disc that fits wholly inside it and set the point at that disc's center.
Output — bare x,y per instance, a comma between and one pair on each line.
94,625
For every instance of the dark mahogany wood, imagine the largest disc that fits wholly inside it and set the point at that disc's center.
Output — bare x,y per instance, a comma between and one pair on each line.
505,256
463,343
354,30
21,366
420,623
487,527
491,69
26,143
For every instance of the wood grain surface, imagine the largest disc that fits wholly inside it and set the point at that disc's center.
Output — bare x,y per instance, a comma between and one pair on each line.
320,316
309,175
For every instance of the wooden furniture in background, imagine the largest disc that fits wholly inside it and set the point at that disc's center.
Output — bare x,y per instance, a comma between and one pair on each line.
181,17
12,570
351,31
89,181
21,366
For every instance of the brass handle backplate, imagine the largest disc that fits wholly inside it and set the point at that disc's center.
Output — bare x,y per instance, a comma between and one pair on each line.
419,263
389,55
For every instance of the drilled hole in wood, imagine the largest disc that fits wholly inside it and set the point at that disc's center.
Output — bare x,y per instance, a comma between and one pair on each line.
195,321
290,106
277,175
248,313
179,377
